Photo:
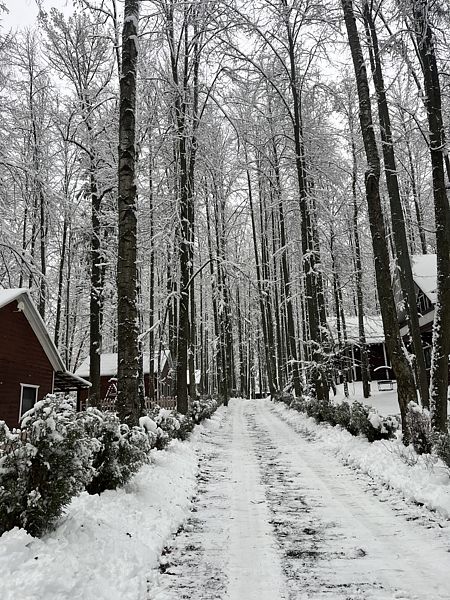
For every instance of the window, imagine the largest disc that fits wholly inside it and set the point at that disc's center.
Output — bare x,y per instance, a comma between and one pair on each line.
28,397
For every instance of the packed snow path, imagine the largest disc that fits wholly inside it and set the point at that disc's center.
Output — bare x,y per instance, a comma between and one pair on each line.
276,519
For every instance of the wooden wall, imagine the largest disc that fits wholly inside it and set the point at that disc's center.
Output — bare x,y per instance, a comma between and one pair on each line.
22,360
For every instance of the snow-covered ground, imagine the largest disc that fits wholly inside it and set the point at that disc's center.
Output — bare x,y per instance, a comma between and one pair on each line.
279,516
385,402
106,545
261,504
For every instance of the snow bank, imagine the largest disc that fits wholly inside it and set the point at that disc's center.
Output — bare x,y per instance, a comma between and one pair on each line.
422,479
106,545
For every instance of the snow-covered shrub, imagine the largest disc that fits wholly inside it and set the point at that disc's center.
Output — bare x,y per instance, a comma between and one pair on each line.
187,424
441,445
43,466
419,426
120,450
367,421
356,418
287,399
343,417
321,410
203,408
297,404
168,424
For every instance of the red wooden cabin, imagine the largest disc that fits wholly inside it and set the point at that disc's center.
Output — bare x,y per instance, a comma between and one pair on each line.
30,364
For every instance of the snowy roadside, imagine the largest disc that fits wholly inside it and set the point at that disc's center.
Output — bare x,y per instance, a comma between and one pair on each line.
106,545
420,479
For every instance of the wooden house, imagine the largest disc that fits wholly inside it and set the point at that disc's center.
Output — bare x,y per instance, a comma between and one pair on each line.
424,270
30,364
157,380
375,341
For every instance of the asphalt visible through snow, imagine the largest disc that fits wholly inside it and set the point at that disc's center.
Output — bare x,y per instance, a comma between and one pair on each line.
274,519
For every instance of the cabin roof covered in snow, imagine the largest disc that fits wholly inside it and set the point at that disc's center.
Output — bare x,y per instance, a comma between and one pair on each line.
373,327
108,364
8,295
424,268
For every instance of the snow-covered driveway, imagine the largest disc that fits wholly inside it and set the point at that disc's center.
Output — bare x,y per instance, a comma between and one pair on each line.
275,517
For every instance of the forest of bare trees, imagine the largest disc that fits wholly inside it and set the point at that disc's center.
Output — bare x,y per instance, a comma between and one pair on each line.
231,181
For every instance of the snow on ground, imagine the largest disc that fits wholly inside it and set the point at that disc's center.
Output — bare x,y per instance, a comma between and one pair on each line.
106,545
227,548
385,402
420,479
273,507
279,516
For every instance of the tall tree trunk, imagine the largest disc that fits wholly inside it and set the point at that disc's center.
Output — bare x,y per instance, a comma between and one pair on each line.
219,361
96,295
309,258
397,217
262,305
402,369
433,103
61,271
127,278
286,278
358,267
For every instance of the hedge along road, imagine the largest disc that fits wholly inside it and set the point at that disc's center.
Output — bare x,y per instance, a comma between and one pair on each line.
276,518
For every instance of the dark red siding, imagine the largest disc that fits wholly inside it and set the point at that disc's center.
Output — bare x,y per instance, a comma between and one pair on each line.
22,360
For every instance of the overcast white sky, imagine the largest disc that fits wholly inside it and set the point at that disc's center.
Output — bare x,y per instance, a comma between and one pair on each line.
22,13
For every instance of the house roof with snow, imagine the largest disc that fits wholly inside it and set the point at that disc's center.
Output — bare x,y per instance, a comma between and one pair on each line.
64,380
108,364
373,327
424,270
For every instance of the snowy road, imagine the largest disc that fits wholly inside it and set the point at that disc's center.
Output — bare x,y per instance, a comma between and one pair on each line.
275,518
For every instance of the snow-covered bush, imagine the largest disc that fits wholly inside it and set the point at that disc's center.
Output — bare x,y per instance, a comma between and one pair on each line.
356,418
171,424
187,424
343,417
168,424
321,410
203,408
367,421
286,398
441,445
120,450
419,426
43,466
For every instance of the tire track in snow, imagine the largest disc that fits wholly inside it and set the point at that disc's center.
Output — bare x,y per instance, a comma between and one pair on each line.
274,518
191,565
227,548
339,541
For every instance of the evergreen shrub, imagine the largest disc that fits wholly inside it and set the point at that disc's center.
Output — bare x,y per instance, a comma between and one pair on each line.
120,451
419,426
58,453
168,423
203,408
356,418
43,466
441,445
343,417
